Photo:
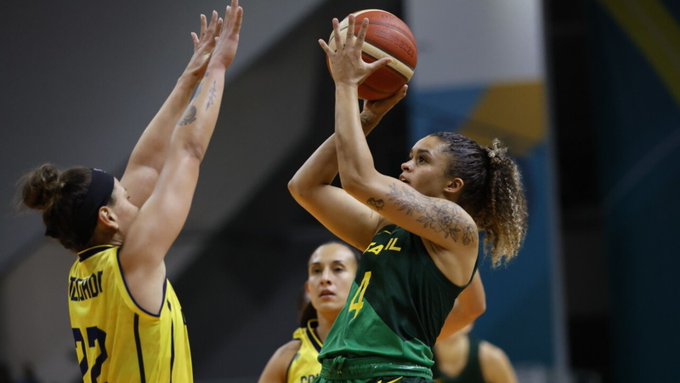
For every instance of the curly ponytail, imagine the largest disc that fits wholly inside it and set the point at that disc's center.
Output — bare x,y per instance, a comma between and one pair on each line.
505,218
492,194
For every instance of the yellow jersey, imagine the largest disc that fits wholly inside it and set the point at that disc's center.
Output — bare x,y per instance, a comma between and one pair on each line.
115,339
305,367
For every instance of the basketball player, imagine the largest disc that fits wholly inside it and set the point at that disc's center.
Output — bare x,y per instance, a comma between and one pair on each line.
330,272
126,319
462,358
419,232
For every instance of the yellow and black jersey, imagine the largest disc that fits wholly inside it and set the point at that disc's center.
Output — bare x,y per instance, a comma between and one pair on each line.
115,339
305,367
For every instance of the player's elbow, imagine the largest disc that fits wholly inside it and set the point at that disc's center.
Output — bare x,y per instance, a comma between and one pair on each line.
478,310
194,150
296,188
356,184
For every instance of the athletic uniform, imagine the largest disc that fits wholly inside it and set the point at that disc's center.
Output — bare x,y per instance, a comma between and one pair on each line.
304,367
115,339
395,311
471,372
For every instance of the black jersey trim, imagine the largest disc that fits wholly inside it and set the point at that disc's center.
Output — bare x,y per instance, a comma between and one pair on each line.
172,345
138,345
474,270
311,334
87,253
122,274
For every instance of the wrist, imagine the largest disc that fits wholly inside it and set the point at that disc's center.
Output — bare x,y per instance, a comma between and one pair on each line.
189,78
216,69
345,87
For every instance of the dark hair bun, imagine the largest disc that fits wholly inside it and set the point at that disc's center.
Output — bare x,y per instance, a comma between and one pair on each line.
40,187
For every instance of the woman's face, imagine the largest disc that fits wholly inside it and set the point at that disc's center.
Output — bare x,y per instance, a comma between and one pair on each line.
331,269
426,167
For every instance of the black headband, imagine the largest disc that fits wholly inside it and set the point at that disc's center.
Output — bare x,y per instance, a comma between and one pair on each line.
98,195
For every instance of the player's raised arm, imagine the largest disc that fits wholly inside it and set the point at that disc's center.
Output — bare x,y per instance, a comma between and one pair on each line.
147,158
312,188
161,218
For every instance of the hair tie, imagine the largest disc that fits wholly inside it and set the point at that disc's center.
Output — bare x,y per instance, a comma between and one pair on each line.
496,153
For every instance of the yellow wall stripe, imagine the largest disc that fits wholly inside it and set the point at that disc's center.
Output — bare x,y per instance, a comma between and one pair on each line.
652,28
513,113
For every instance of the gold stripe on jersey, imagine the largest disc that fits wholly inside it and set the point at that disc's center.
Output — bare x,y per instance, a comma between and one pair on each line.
305,367
115,339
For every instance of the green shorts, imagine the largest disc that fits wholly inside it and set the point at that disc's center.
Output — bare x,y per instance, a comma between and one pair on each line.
371,370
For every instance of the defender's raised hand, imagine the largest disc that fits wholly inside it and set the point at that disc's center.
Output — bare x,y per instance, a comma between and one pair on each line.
227,42
204,44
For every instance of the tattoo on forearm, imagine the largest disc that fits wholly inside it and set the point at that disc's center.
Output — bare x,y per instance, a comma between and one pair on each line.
189,116
442,219
212,93
378,204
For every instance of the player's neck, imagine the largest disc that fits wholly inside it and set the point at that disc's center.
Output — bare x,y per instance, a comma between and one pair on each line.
324,325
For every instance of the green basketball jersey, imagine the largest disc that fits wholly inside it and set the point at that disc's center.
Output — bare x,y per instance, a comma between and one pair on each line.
396,307
115,339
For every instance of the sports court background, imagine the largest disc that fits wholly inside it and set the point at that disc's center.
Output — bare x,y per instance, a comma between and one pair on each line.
585,92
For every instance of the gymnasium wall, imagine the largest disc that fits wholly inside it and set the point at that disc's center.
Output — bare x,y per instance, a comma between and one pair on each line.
635,48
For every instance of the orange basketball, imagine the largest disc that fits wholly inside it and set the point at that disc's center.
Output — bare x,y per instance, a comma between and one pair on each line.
387,36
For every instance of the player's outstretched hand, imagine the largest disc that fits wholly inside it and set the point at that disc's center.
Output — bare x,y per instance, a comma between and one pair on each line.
204,44
346,64
227,42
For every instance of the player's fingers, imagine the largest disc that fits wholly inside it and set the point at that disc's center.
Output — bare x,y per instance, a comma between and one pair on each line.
350,29
220,24
325,47
375,65
212,27
237,20
203,24
362,32
397,96
336,34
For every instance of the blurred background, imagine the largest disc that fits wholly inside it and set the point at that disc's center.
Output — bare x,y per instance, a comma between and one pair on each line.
585,93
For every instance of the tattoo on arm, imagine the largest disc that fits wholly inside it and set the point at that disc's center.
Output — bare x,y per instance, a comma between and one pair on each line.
404,199
189,116
212,93
378,204
435,216
468,236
